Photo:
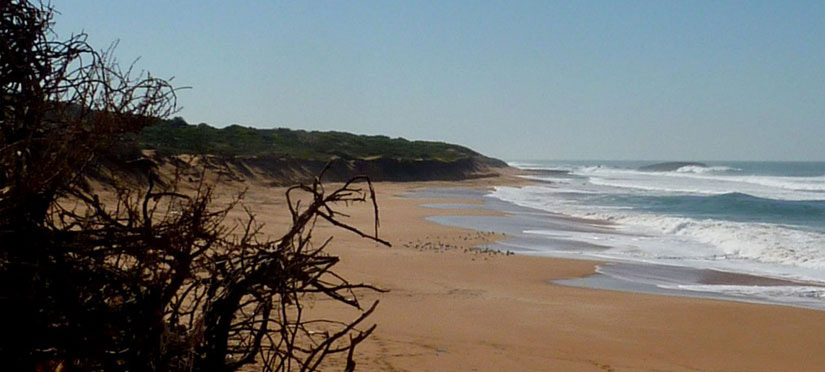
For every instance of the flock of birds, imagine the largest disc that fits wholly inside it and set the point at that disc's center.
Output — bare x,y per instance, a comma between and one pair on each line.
476,243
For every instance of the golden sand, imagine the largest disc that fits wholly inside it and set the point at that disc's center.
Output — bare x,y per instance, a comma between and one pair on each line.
451,308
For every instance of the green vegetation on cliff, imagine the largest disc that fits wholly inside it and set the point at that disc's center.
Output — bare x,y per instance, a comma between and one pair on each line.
175,136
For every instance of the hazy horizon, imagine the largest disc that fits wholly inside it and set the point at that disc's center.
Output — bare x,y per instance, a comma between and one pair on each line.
515,80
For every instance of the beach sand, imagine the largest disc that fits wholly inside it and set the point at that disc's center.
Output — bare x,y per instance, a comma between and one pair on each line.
451,308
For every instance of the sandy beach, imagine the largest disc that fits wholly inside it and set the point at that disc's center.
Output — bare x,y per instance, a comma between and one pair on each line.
454,308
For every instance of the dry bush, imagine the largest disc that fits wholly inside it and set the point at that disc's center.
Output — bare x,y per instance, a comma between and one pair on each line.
154,279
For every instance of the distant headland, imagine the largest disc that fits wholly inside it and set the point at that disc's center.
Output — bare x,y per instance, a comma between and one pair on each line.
286,156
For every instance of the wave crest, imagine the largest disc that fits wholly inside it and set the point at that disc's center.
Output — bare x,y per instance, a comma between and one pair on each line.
704,170
683,238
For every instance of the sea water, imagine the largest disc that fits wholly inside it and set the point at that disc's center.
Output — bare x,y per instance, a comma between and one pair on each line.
761,218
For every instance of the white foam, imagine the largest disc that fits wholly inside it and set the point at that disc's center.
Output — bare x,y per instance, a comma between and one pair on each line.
663,187
759,242
707,182
794,295
535,166
738,246
703,170
790,183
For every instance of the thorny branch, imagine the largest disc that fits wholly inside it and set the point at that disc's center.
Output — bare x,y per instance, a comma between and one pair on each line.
151,277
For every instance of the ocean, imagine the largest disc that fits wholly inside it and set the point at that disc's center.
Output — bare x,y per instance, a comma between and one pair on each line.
760,218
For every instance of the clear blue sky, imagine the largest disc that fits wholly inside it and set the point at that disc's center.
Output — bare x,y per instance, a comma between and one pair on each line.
691,80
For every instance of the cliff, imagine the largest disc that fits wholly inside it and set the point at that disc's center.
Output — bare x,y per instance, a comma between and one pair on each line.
285,156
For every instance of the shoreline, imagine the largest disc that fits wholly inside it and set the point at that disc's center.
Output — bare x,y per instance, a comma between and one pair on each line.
450,308
545,236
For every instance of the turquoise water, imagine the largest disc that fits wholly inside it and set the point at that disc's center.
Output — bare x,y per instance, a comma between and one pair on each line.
737,207
782,193
764,218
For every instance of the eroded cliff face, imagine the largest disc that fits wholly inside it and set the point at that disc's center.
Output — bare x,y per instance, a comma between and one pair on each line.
282,171
286,171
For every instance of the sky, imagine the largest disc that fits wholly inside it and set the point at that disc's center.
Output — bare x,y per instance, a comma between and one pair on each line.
610,80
